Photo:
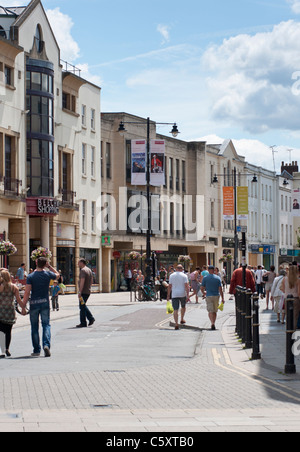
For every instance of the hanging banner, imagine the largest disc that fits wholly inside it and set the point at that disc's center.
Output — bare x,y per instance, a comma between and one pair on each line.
296,203
138,162
228,203
157,163
242,203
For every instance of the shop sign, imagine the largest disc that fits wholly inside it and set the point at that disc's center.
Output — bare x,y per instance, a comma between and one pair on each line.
105,240
42,207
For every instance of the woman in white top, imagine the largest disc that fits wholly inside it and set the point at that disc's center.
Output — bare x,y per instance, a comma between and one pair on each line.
277,296
291,286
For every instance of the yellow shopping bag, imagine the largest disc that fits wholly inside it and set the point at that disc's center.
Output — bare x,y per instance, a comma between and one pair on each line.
170,309
221,307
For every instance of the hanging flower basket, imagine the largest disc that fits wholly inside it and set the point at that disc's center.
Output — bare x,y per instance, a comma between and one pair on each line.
41,252
184,259
229,257
222,259
134,256
7,248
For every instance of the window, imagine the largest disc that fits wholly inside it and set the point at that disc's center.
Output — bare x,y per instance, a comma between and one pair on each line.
93,216
177,175
83,115
93,161
93,118
108,160
83,218
183,177
212,215
171,173
40,175
8,72
83,159
69,102
101,159
38,39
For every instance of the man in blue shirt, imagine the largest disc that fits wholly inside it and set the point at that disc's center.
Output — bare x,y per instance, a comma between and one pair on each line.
38,286
212,289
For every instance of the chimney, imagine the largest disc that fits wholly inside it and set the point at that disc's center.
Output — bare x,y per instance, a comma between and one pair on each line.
291,168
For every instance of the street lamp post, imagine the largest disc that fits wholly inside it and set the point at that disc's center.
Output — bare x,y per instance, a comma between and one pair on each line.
175,132
236,236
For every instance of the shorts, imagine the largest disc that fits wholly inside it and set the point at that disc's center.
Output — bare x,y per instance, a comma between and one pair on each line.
213,304
176,302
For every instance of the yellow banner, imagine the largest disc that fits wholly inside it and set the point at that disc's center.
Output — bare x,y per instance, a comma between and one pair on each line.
242,203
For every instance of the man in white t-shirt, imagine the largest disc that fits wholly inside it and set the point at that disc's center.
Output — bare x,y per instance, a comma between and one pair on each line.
179,286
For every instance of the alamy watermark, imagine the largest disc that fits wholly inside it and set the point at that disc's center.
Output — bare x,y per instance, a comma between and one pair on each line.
129,212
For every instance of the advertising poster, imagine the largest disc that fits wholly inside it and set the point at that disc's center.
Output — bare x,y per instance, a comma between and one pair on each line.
228,203
296,203
157,163
242,203
138,162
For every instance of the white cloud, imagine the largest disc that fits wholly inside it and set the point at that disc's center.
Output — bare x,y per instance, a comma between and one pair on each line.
251,79
62,25
164,30
295,5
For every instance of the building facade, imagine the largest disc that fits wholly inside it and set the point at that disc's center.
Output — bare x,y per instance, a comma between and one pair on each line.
187,218
50,147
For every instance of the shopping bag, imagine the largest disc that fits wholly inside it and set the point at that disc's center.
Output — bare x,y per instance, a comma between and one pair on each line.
221,307
170,309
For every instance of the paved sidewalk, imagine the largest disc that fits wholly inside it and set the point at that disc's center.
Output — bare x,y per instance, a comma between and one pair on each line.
219,389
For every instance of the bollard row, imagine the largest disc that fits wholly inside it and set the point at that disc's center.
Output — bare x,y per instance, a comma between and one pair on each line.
247,320
247,325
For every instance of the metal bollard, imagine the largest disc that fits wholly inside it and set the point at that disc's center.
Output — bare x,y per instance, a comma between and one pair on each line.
248,320
243,314
290,367
238,311
256,345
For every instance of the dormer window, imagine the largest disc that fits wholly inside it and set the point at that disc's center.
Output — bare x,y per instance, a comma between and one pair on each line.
38,39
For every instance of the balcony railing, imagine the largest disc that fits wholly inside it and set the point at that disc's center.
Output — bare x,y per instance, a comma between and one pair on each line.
11,187
68,198
68,67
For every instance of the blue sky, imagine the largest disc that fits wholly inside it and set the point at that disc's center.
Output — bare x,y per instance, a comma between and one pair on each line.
221,69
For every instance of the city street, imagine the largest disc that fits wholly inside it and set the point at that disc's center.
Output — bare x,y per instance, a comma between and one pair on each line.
132,372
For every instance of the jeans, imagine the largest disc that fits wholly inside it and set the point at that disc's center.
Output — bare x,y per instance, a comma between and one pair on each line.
5,329
37,311
85,313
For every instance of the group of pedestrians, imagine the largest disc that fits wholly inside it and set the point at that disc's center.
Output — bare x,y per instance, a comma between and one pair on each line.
275,287
37,295
179,291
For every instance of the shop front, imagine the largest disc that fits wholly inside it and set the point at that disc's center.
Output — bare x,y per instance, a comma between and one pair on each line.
262,255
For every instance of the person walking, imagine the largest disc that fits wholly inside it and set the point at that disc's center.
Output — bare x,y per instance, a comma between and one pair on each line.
180,289
37,285
269,278
212,290
195,283
55,292
8,292
291,286
85,284
277,296
21,273
237,279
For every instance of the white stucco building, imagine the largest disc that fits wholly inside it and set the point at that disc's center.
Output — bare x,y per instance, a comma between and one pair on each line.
50,138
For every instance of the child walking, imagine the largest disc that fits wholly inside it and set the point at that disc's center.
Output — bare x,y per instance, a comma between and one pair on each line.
55,292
